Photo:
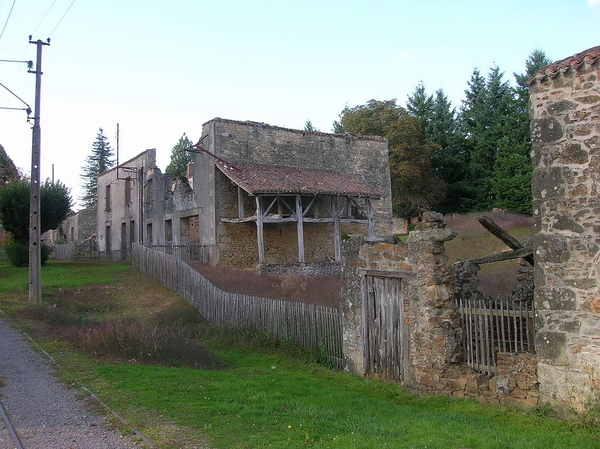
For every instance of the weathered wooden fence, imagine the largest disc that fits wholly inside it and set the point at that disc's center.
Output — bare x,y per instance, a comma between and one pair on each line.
312,326
64,251
494,325
193,252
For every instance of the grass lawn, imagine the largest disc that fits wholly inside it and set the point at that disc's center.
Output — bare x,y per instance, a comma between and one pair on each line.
267,394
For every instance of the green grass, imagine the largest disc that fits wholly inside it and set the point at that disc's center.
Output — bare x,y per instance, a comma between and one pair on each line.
275,395
60,275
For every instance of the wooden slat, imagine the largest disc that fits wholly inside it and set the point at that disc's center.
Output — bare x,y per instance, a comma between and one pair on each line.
494,325
309,325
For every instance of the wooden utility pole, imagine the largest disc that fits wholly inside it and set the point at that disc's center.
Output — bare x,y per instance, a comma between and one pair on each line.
35,247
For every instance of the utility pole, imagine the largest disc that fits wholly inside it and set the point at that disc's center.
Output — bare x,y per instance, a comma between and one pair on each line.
35,249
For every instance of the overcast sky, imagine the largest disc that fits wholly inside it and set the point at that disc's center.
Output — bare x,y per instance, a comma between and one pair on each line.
160,69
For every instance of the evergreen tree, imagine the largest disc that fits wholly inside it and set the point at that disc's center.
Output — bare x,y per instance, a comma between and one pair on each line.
420,105
511,185
438,122
308,126
99,161
180,159
487,122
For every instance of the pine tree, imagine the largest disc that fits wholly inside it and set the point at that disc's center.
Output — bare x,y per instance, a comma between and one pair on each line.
99,161
420,105
180,159
511,185
487,121
308,126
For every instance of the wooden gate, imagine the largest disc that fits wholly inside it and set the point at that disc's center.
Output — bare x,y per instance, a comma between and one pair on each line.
383,327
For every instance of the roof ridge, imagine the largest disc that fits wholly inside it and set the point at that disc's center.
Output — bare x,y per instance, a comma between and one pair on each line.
589,57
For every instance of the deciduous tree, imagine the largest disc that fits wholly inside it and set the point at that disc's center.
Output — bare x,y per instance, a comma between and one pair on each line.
415,186
55,203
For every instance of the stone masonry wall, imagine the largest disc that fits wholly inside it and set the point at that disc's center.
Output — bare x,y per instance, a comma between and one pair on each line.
433,327
565,112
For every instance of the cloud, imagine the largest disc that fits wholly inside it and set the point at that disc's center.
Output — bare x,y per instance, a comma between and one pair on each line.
593,3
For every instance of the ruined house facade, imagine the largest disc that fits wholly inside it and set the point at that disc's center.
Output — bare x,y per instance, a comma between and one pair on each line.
565,112
256,195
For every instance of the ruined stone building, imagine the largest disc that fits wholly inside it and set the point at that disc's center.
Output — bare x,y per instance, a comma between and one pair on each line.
565,111
256,194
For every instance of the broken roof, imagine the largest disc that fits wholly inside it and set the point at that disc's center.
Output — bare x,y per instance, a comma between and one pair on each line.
589,56
268,179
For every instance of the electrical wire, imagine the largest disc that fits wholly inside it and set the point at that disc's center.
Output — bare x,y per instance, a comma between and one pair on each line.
38,25
15,95
61,19
8,18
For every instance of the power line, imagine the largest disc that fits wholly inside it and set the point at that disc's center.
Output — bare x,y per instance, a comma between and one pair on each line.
38,25
8,18
61,19
15,95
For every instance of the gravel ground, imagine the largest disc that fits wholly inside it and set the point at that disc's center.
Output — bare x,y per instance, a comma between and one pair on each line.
44,413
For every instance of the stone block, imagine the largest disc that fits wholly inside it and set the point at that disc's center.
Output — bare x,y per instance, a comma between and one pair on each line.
551,347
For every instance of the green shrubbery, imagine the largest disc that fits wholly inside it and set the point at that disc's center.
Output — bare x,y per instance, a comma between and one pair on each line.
17,253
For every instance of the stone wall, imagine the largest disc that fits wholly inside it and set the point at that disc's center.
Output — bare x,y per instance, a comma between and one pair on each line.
432,327
565,127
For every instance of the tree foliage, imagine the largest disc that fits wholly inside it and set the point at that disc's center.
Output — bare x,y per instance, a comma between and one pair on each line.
8,170
180,158
98,161
482,152
55,203
415,186
308,126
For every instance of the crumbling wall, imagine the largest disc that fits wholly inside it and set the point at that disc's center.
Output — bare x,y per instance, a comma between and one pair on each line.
432,333
565,112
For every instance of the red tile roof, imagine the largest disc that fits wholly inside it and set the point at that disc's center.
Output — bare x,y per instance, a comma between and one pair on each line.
268,179
589,56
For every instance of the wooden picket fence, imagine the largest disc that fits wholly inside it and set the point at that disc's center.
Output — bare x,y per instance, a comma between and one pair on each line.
64,251
195,252
494,325
312,326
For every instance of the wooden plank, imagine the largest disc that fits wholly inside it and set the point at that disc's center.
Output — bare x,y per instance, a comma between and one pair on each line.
521,253
401,274
504,236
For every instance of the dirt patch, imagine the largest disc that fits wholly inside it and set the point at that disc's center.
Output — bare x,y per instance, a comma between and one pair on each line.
321,290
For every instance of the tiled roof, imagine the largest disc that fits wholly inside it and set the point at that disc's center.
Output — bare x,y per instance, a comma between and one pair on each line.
268,179
298,131
589,56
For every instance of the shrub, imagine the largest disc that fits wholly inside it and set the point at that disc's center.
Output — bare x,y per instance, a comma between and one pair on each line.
17,253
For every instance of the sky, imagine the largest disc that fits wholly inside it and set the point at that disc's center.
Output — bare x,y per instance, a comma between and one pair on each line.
163,68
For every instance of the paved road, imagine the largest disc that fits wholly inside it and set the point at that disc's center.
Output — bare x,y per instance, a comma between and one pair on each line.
44,413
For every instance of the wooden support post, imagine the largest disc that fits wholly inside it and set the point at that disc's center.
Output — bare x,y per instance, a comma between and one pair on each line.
240,198
300,217
370,217
260,231
337,242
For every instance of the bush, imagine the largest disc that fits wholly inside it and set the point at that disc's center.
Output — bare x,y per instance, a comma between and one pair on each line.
17,253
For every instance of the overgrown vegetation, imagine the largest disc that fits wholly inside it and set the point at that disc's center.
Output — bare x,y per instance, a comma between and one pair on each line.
269,393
